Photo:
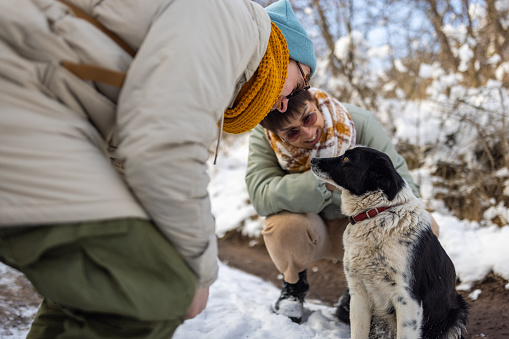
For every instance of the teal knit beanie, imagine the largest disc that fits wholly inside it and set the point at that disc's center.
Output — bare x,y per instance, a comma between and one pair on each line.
300,45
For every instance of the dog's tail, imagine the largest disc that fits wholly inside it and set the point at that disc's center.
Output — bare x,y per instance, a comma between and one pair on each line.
453,326
458,318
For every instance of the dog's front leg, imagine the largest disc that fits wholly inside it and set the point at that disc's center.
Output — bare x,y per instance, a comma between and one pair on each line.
408,318
360,312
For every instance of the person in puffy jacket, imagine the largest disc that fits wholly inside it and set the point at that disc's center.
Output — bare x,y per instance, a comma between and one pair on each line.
304,222
128,251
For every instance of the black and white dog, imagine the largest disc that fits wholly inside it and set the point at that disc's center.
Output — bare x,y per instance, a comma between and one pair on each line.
397,272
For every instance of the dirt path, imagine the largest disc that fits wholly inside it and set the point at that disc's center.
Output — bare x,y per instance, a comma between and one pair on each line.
489,314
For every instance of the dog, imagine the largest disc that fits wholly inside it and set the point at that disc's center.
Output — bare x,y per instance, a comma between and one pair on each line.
400,278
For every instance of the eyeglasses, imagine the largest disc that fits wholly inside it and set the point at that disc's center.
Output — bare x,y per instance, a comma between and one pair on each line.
294,133
306,84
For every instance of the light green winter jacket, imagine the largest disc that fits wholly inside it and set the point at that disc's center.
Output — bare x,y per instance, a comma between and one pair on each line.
273,189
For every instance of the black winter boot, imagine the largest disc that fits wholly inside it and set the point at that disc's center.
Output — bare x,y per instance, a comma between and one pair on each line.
343,310
291,300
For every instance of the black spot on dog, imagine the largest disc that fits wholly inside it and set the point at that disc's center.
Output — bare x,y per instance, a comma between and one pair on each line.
401,300
410,323
390,280
405,243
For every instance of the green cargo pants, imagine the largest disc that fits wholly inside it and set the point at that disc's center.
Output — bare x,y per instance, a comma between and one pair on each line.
110,279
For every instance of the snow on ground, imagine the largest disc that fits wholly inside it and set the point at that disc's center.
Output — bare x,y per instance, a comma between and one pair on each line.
240,307
8,279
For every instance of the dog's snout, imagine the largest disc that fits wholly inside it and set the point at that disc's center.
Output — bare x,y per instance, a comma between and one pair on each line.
314,161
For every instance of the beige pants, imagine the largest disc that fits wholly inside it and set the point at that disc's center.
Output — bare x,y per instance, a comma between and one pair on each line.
296,240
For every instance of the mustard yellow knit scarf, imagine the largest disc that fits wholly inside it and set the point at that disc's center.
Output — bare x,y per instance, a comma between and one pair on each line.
337,137
260,93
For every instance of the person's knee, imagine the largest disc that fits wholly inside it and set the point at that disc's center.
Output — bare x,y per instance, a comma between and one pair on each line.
286,223
290,235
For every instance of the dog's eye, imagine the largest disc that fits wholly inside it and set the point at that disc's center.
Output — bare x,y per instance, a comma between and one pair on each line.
345,159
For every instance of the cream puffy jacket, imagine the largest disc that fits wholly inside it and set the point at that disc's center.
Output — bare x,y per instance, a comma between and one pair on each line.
57,131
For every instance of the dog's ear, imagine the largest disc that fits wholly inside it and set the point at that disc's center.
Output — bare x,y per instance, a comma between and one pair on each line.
390,184
387,178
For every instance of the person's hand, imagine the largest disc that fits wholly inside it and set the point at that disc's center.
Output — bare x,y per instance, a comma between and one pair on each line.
199,302
331,187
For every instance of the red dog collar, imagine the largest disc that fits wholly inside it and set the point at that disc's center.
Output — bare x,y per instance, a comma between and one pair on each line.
367,215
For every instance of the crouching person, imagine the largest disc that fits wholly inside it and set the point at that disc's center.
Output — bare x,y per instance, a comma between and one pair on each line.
303,221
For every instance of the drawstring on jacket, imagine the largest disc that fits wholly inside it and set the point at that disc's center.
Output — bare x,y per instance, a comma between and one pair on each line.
220,133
